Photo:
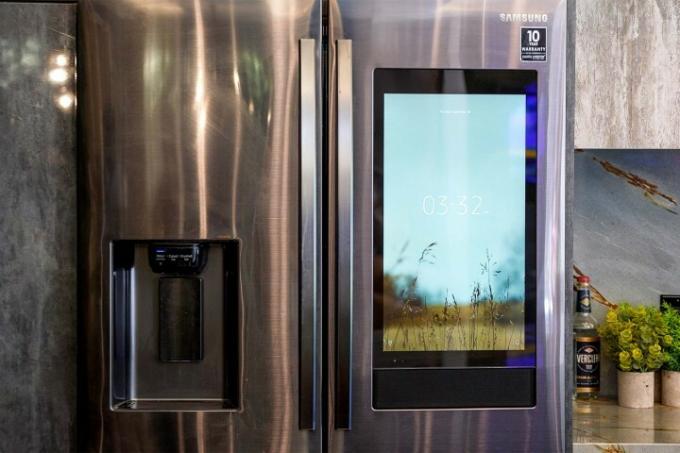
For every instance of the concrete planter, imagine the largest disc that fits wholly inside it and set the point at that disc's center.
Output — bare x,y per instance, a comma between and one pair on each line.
670,395
636,390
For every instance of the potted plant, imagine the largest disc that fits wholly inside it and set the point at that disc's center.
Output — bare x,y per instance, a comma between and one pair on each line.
634,338
670,376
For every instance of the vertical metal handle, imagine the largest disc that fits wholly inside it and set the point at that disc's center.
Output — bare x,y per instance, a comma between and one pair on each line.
308,235
345,162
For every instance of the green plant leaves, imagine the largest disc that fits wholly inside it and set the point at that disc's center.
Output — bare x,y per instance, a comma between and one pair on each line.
636,337
625,361
671,341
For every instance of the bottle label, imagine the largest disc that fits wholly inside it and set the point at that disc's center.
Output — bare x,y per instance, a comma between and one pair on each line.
583,300
587,356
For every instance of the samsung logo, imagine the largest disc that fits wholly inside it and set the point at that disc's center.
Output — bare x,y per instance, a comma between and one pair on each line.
521,17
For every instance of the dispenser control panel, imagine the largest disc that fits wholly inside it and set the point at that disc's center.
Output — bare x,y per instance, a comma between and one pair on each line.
177,258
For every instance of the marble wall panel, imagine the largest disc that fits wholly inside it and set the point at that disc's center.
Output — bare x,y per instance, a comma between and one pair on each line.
37,227
627,78
627,227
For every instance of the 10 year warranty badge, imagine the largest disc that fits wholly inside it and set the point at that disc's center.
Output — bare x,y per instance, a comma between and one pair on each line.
534,44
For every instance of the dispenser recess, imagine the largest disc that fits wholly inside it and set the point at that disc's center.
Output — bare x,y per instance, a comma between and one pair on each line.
174,325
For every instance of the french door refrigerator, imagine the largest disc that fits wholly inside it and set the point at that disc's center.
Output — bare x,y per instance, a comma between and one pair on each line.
322,225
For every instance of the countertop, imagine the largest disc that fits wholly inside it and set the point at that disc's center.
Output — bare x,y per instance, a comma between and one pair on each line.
603,426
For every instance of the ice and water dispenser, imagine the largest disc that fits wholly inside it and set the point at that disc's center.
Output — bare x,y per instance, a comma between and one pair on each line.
174,325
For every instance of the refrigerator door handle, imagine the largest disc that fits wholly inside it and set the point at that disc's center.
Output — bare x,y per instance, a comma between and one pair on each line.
308,236
345,224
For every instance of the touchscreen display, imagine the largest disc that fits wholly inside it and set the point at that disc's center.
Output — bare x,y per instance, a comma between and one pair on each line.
453,219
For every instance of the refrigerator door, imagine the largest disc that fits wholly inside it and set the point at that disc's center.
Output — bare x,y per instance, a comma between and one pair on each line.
200,123
391,64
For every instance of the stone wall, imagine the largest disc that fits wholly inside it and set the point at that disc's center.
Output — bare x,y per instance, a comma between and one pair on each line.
37,227
627,77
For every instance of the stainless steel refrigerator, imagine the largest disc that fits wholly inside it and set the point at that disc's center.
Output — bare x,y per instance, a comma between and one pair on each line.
322,225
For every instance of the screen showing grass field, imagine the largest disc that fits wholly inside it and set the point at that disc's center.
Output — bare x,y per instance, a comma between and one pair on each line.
454,222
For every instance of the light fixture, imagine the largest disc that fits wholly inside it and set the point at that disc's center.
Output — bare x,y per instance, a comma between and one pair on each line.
61,60
65,101
58,75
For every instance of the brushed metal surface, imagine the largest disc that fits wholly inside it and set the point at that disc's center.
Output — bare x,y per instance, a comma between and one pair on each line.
345,222
310,259
570,69
190,130
454,34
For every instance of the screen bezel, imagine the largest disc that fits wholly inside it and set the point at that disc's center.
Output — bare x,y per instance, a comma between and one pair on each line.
457,81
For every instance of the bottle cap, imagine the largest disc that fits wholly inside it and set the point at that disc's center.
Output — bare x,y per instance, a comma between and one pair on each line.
583,279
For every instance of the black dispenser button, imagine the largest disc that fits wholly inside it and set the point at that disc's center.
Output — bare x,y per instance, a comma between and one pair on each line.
181,319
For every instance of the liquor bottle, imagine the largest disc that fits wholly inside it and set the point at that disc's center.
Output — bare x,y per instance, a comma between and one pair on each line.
586,345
